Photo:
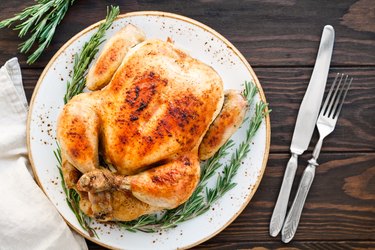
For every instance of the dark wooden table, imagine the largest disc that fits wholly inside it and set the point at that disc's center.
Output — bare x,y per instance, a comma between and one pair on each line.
280,39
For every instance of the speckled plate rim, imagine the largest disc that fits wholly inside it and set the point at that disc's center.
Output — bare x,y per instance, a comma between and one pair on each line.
196,23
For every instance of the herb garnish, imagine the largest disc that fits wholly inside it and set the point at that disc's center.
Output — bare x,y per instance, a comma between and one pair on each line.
40,24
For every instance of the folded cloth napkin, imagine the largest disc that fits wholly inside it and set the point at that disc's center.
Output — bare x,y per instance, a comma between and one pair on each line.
28,220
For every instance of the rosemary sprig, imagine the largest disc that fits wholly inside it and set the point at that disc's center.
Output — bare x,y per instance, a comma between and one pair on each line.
203,197
83,59
224,182
75,87
41,21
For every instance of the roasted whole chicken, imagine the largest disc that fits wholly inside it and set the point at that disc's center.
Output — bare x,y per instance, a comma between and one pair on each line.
132,145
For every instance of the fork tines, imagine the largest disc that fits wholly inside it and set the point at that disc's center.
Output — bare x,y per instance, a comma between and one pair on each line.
338,97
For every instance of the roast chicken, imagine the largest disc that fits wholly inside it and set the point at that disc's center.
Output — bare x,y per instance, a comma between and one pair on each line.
133,145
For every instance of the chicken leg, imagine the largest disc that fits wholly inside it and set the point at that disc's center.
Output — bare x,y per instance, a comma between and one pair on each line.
165,186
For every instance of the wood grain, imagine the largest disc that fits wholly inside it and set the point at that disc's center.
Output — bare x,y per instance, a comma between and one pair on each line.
331,212
284,89
313,245
277,33
280,39
259,245
355,130
360,16
253,245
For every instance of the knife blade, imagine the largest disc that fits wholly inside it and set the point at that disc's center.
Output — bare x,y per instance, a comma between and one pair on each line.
305,124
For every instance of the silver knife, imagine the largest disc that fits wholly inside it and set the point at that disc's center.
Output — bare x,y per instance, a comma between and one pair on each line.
305,124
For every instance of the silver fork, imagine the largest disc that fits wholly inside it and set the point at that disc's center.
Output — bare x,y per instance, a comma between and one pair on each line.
326,124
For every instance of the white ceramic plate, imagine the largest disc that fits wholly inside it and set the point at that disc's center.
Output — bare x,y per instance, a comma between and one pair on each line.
200,42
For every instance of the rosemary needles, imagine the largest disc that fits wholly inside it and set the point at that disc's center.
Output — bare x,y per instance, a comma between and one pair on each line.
39,22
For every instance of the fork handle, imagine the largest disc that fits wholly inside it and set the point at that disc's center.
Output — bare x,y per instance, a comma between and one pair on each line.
317,149
294,215
279,211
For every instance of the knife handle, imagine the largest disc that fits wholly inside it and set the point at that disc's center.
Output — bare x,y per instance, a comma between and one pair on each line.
279,211
294,215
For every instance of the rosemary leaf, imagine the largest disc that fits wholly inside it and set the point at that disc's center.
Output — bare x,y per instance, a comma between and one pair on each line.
39,21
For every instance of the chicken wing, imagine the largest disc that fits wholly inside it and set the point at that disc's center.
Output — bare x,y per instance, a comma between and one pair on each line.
225,124
113,53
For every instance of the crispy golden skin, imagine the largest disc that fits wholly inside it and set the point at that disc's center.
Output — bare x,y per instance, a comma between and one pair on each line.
78,133
113,53
153,113
225,124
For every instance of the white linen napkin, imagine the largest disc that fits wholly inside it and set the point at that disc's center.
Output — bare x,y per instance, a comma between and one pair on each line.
28,220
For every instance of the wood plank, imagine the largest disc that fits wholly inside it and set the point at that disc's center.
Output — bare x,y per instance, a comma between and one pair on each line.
284,89
340,207
313,245
278,33
280,40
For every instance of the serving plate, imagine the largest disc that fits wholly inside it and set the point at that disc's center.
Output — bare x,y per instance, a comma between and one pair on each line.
200,42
